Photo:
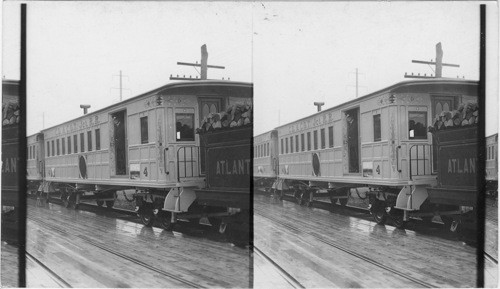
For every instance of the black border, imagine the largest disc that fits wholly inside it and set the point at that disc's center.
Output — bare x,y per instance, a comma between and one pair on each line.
22,184
481,149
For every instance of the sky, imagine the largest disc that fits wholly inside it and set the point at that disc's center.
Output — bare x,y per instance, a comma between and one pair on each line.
76,50
294,53
310,52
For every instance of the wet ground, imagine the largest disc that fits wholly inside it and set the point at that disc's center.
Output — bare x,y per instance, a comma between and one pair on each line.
105,249
344,248
491,243
9,268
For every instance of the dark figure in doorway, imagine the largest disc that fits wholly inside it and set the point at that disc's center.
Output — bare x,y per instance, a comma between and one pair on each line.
119,135
352,141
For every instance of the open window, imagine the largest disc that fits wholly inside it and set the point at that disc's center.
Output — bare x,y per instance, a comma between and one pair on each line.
184,124
417,125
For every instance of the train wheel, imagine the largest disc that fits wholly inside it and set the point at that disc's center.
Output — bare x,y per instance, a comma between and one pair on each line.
398,218
99,203
447,221
65,200
146,215
215,222
308,199
110,204
427,220
378,212
299,198
343,202
166,220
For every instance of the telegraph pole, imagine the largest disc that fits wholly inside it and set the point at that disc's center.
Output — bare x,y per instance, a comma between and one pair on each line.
121,85
438,65
357,82
204,66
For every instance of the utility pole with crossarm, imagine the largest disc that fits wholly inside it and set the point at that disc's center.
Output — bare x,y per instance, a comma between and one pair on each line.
438,65
204,66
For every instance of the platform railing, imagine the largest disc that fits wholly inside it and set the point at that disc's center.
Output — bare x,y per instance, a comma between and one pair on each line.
420,160
188,162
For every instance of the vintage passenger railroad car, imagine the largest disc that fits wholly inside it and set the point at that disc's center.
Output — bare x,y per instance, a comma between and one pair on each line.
265,152
379,141
146,143
492,164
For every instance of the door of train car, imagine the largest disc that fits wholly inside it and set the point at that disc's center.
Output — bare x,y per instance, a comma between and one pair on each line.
118,143
351,147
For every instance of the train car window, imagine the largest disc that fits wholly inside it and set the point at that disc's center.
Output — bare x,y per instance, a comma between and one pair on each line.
377,134
323,141
75,143
315,139
69,145
286,145
302,143
82,142
184,123
282,148
291,144
144,130
330,136
308,140
63,145
48,149
417,125
89,140
97,139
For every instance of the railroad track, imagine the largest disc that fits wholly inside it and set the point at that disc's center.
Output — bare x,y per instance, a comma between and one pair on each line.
348,251
286,276
185,283
489,257
58,279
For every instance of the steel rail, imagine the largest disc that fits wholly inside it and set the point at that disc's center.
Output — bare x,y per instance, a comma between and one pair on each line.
490,257
350,252
59,280
187,283
288,278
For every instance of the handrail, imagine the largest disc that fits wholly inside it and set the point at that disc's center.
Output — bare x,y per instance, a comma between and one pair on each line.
192,161
418,159
397,158
165,160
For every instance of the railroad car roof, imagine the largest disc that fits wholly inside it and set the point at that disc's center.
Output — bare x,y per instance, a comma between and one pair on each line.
264,133
403,86
186,87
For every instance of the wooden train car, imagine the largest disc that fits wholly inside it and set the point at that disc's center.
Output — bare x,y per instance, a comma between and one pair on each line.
228,166
10,159
379,141
147,143
492,165
265,152
456,175
35,162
